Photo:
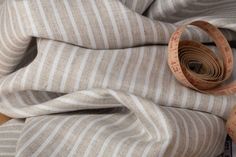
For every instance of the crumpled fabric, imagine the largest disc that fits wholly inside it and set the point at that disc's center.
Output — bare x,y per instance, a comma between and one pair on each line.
89,78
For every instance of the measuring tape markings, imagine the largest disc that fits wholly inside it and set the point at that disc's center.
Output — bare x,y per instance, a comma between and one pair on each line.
214,69
202,83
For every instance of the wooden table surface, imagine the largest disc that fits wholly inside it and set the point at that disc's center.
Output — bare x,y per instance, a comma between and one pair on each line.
3,118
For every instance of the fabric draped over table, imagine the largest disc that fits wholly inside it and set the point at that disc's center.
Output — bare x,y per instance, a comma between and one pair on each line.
89,78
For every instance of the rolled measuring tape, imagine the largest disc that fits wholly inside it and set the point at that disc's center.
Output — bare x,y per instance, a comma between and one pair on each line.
196,66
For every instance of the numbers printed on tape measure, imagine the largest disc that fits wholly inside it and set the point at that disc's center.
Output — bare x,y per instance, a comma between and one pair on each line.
211,71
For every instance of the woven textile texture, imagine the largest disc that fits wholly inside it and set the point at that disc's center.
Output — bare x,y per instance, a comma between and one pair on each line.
89,78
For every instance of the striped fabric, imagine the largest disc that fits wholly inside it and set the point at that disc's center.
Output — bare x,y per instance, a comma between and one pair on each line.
89,78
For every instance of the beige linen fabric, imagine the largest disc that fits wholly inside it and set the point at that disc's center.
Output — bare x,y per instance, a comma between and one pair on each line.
89,78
